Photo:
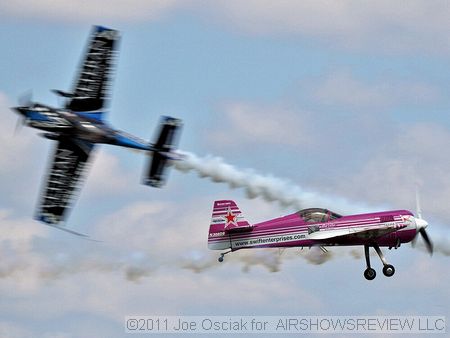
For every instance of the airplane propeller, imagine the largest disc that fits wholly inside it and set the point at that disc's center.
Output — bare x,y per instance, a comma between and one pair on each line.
25,101
421,225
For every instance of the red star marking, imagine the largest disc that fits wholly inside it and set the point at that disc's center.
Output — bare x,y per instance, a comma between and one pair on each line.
230,218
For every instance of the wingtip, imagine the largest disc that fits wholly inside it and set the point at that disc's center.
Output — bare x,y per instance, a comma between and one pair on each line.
79,234
100,28
60,226
171,120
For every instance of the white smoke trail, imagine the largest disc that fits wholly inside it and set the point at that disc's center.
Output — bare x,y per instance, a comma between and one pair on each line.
135,270
268,187
270,258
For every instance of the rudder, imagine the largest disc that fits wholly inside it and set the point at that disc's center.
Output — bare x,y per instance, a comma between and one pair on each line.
226,219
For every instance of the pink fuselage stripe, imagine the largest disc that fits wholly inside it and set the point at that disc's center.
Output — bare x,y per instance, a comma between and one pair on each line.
387,240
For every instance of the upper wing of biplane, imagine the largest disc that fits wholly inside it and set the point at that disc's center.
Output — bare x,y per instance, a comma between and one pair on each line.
367,232
69,165
93,82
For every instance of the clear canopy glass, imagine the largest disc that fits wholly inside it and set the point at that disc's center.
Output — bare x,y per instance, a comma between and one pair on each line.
317,215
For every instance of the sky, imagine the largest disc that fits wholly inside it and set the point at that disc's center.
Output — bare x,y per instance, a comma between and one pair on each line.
345,100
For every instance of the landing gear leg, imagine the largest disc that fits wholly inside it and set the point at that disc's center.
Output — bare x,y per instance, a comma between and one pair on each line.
388,269
220,259
369,273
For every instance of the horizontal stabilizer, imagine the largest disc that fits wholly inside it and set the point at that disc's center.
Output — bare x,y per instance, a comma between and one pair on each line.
61,93
163,152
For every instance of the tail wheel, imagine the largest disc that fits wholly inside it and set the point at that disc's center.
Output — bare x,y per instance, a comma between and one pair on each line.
370,273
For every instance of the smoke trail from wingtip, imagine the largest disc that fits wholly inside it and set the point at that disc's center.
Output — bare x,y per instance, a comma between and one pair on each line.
268,187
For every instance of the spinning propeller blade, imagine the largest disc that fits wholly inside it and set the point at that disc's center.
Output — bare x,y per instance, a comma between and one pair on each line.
418,208
421,224
25,101
428,243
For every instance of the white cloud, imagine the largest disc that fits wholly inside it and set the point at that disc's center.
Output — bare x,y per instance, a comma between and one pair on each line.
107,176
90,10
416,155
342,88
18,234
145,243
259,124
19,261
358,102
149,244
384,26
12,330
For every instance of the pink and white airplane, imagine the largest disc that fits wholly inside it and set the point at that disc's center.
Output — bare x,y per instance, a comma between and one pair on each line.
316,227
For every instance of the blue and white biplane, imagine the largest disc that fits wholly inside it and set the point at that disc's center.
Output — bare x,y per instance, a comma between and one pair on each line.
80,124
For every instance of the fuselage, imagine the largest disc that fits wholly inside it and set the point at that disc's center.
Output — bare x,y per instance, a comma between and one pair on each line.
87,127
296,231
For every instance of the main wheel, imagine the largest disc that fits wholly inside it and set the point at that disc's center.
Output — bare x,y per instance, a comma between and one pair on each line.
220,259
388,270
370,273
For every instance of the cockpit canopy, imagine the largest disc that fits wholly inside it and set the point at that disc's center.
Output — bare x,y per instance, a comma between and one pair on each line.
317,215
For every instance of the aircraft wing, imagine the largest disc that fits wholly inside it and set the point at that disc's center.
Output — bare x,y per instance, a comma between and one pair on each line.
367,232
68,167
93,82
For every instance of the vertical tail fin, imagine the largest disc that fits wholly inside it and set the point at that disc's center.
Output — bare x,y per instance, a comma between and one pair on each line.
226,219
